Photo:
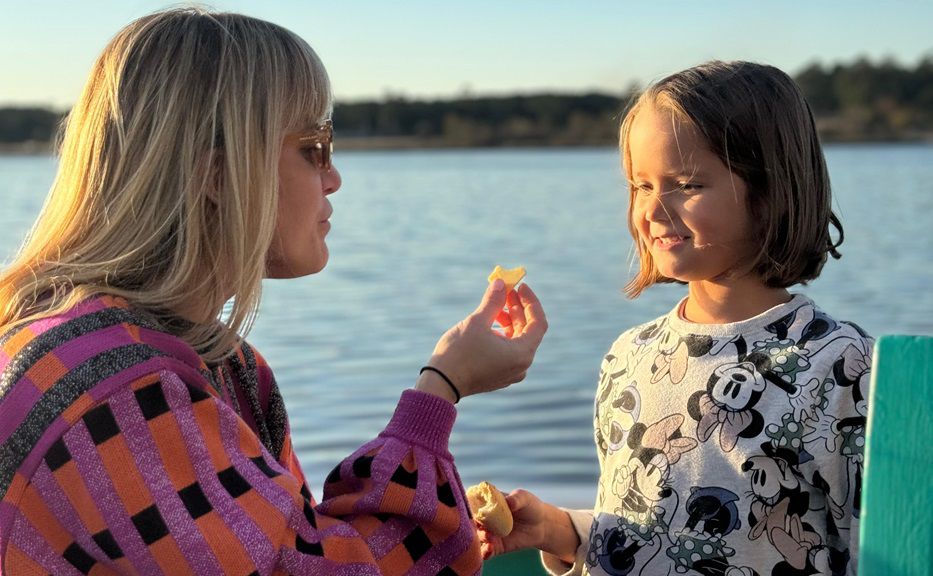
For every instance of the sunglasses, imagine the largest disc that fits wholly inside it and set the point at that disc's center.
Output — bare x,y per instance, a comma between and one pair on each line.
318,143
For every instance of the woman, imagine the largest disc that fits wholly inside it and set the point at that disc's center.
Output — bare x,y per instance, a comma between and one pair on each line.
139,433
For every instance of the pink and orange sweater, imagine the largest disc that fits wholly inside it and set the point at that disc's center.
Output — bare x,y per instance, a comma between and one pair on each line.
122,452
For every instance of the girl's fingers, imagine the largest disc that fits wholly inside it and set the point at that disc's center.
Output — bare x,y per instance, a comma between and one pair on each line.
490,544
518,499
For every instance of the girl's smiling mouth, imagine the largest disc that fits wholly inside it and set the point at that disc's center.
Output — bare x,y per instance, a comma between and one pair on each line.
668,242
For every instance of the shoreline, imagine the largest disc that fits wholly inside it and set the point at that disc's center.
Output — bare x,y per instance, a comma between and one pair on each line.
413,143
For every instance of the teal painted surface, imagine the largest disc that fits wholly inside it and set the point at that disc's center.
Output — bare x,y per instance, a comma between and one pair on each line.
521,563
897,499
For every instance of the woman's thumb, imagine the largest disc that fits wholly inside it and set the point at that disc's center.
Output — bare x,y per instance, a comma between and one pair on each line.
493,301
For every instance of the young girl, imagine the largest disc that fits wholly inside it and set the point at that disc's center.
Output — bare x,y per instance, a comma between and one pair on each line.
141,435
729,431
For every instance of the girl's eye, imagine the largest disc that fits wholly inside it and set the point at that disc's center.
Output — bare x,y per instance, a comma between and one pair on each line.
689,187
642,188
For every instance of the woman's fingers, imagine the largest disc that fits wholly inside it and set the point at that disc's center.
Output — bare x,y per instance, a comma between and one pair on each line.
516,315
505,321
516,312
535,321
512,318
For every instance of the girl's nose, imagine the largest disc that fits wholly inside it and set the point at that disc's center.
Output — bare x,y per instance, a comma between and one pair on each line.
654,208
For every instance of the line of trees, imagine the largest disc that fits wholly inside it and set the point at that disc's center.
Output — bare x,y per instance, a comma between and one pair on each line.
544,119
852,102
28,125
866,101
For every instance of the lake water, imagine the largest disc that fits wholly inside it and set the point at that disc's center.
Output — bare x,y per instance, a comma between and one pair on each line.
415,234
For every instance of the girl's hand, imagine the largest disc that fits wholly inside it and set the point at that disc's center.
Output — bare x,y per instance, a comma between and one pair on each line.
479,358
536,524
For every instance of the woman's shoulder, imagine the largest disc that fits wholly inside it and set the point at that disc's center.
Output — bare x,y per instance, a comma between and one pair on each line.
59,370
100,336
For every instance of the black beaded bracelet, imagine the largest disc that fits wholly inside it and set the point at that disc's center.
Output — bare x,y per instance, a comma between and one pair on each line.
446,379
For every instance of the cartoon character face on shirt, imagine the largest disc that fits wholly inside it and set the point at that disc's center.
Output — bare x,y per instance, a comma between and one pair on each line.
639,486
644,480
652,478
613,546
771,477
674,353
713,509
626,408
728,403
736,387
649,334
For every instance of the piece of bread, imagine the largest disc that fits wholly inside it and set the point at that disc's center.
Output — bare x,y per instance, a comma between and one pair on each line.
511,277
490,508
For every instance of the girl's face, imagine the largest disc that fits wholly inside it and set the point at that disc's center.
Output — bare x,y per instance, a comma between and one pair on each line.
298,247
688,208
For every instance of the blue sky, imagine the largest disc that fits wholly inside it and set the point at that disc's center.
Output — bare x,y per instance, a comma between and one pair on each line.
424,49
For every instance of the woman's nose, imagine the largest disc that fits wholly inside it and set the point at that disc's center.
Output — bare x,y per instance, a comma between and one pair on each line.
331,180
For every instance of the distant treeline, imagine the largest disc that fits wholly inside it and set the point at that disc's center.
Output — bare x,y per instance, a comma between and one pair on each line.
861,101
866,101
28,127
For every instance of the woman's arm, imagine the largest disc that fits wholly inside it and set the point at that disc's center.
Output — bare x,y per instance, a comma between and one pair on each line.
162,475
165,476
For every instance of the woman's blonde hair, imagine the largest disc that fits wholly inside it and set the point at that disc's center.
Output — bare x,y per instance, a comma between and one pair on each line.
166,192
756,120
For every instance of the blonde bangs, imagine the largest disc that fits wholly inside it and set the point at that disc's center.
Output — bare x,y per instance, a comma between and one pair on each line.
308,86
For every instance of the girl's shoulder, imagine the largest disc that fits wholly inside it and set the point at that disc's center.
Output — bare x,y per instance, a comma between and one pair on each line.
808,323
641,334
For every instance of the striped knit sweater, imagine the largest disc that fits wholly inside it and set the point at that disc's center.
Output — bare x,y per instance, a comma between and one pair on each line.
122,452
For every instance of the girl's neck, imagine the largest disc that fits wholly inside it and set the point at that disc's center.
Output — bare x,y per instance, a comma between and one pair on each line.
734,301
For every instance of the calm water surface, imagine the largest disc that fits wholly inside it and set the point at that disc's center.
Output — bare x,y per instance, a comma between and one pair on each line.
414,236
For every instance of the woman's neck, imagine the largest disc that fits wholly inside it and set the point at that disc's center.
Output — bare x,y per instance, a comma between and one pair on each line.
732,301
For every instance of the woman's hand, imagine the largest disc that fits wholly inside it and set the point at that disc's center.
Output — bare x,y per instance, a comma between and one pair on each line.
536,524
479,358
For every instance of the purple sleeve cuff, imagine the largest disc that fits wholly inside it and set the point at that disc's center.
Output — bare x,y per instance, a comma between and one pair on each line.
423,419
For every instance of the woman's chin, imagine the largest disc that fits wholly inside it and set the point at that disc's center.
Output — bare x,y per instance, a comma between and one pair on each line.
285,270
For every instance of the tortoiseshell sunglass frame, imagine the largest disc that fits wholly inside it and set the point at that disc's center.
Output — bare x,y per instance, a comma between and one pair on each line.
320,141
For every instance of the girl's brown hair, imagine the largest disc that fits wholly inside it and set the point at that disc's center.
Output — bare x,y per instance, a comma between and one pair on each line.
755,119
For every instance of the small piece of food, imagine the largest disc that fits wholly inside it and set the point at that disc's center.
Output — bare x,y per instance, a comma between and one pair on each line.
490,508
511,277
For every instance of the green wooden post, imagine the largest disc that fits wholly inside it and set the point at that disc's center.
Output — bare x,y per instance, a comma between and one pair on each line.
897,498
520,563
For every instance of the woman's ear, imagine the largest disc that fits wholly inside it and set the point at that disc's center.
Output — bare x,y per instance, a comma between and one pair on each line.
214,176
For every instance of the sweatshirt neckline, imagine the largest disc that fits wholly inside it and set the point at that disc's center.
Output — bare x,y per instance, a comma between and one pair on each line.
760,321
